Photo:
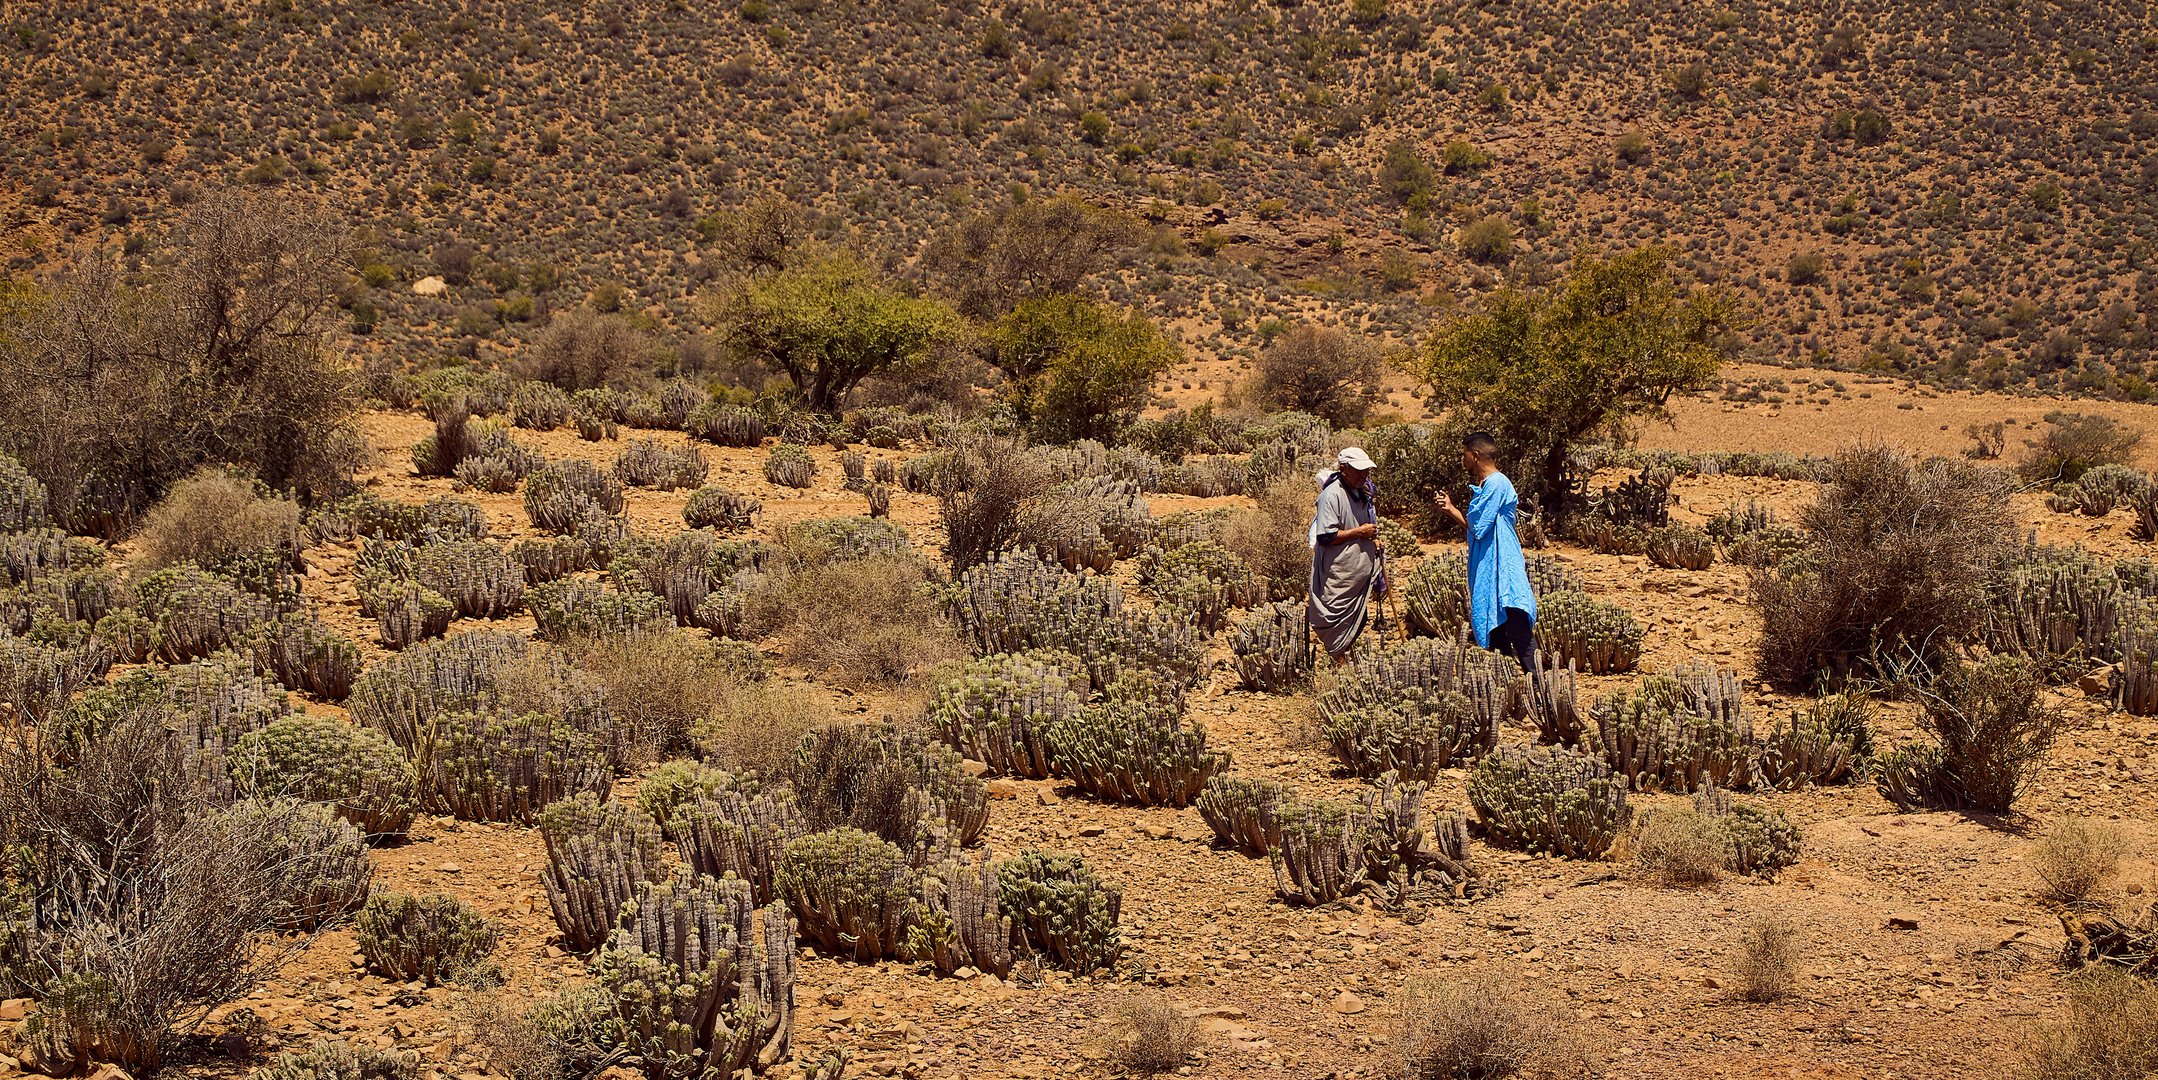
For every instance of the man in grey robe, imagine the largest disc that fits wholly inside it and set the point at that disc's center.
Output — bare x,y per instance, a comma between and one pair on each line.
1345,555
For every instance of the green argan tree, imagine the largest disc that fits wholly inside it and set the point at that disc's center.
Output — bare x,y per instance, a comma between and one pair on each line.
829,321
1588,357
1078,370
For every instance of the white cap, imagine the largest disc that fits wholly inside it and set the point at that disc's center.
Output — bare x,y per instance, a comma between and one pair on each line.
1355,458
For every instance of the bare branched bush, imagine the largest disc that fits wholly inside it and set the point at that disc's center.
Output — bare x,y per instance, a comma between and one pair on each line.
1991,726
1322,371
1768,959
983,493
582,350
110,392
1480,1026
1027,250
1898,557
1147,1035
149,904
1270,537
2110,1031
213,516
2077,856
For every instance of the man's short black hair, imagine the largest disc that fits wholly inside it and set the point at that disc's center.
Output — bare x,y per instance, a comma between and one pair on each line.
1483,443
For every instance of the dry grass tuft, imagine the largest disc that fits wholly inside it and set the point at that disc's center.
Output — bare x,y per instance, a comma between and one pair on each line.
864,622
2076,857
1482,1026
1270,537
1679,847
663,686
2109,1033
211,517
1768,959
562,1037
1148,1035
759,725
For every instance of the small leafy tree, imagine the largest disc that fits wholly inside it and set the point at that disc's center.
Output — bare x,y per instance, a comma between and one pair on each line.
1078,370
829,321
1587,357
1405,174
1024,250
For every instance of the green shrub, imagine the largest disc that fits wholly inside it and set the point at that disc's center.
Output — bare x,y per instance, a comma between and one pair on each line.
341,1061
489,767
1134,747
853,895
1066,914
598,855
1549,799
561,494
700,978
998,709
356,770
433,938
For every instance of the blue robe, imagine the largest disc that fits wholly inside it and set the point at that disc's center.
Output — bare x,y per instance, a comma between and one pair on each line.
1498,573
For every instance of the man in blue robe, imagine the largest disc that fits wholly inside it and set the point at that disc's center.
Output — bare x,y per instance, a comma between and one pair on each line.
1502,609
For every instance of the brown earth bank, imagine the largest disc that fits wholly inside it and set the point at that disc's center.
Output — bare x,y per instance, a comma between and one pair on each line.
1926,948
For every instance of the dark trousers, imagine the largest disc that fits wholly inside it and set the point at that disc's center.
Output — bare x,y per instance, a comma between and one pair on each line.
1516,637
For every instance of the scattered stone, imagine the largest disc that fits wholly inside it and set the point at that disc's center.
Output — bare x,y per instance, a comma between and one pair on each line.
1047,797
1003,789
1091,830
2096,682
431,285
1903,922
1347,1003
14,1009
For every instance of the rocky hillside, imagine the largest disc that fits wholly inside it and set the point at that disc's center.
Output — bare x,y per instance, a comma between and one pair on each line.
1966,193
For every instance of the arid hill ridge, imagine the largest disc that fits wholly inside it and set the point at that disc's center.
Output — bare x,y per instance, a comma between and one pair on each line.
1961,191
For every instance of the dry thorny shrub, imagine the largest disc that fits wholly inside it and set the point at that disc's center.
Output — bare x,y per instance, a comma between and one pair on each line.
1481,1026
985,487
2109,1033
1898,565
567,1036
1768,959
1679,847
1147,1035
759,725
153,897
863,622
1270,537
2076,856
663,686
213,516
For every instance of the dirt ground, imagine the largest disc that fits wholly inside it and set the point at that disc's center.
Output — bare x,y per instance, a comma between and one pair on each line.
1284,992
